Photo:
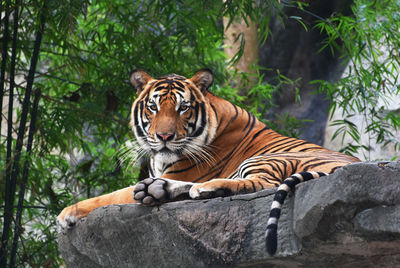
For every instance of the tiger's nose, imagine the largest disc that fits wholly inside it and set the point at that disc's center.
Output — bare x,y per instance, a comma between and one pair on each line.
165,136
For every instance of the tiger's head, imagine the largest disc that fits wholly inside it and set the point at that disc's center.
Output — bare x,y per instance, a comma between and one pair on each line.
171,116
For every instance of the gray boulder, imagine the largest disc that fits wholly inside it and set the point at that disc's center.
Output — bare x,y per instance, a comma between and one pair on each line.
349,218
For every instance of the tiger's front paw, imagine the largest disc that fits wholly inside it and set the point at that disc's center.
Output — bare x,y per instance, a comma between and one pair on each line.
213,188
69,216
151,191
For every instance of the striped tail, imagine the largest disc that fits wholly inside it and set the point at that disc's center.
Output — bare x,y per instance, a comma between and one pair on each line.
271,236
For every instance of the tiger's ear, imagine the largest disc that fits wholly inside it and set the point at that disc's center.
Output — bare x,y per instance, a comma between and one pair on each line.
203,79
139,79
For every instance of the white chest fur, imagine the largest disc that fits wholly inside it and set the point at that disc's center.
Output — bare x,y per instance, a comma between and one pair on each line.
160,161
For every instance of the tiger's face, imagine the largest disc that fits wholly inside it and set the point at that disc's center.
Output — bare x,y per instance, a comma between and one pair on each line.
170,117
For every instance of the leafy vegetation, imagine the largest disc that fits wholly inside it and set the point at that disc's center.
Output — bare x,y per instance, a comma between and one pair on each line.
369,41
86,50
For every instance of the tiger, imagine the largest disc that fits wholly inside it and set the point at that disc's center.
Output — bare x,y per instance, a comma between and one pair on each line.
203,146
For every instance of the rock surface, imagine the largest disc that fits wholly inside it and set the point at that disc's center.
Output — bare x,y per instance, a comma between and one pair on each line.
349,218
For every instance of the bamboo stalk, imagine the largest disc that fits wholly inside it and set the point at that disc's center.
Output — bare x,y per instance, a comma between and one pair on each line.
4,55
20,136
9,191
21,195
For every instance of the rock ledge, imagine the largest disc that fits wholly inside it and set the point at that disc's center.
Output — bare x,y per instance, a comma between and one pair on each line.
349,218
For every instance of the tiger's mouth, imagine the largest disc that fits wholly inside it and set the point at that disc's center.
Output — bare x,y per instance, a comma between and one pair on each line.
185,148
175,147
168,149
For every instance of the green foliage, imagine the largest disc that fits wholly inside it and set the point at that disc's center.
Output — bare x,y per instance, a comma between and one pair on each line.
370,40
86,54
288,125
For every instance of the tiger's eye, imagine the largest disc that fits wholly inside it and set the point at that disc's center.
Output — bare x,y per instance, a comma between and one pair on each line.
183,107
152,107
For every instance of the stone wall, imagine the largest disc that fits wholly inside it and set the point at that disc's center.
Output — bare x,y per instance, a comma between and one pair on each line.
349,218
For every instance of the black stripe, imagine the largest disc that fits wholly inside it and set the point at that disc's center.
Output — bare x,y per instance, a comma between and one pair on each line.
282,146
310,148
271,239
277,169
282,171
334,169
139,106
215,112
180,94
253,121
233,118
264,178
318,163
296,145
307,176
140,132
255,171
162,82
296,179
151,171
200,130
275,213
264,149
277,142
179,85
253,186
292,166
291,183
280,196
254,137
195,115
248,120
160,88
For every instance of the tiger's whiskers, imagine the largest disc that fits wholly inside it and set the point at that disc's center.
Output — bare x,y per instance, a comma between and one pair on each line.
131,153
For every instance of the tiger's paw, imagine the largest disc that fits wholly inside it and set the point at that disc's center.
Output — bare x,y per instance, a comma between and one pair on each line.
213,188
69,216
151,191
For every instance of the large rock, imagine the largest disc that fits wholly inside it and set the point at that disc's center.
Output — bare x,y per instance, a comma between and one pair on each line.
351,217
